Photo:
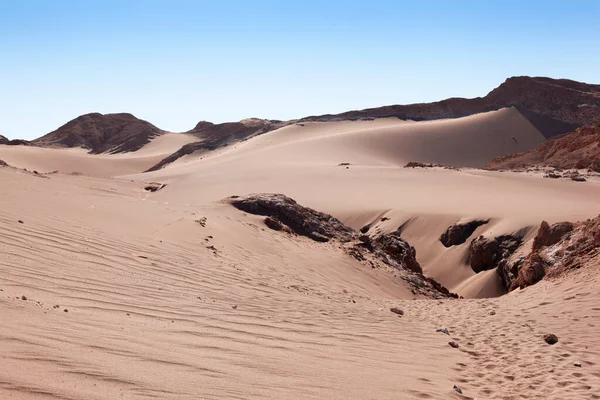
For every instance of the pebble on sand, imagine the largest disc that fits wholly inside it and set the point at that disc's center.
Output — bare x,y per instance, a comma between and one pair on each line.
551,338
396,310
453,344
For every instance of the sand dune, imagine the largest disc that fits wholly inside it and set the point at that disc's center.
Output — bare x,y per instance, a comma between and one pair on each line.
302,162
111,291
105,165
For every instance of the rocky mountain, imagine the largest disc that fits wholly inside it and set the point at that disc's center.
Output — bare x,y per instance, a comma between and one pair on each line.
553,106
102,133
578,149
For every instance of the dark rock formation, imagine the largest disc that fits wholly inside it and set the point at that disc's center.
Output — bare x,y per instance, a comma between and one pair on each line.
301,220
416,164
400,251
459,233
215,136
109,133
485,253
14,142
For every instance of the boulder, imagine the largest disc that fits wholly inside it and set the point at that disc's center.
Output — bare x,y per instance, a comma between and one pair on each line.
459,233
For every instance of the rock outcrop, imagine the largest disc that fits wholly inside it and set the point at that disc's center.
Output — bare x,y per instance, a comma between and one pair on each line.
556,249
102,133
579,149
400,251
301,220
486,253
550,235
460,232
285,214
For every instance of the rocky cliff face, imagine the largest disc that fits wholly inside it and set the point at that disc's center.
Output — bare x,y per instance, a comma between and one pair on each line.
553,106
579,149
109,133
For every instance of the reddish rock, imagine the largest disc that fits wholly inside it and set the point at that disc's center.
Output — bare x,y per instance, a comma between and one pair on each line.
532,271
550,235
579,149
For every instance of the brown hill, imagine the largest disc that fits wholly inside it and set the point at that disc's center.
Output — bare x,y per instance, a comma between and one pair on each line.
213,136
102,133
578,149
553,106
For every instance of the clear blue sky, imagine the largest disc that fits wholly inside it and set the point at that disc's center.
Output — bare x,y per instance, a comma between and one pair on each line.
175,62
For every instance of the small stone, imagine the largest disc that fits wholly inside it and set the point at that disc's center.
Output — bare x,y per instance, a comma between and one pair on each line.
23,297
65,310
21,221
396,310
551,338
453,344
577,364
234,307
443,330
457,389
492,312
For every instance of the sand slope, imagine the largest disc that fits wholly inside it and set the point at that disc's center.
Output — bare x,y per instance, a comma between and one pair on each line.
151,311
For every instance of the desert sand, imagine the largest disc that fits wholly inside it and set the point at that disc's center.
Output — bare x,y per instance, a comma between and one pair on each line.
111,291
